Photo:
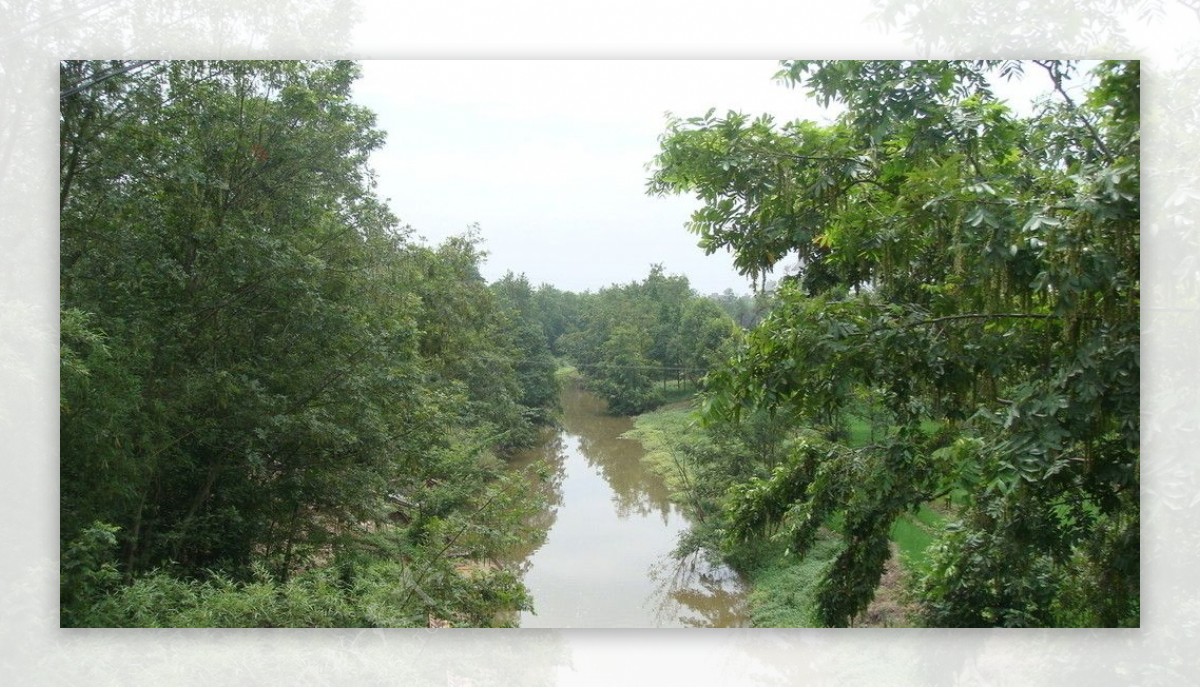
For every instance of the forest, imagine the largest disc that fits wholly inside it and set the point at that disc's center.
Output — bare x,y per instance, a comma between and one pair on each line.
280,407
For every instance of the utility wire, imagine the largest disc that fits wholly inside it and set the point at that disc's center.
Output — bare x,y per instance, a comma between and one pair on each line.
637,367
136,64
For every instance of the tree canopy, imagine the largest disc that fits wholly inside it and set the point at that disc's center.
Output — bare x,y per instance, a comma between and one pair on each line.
265,381
625,338
973,272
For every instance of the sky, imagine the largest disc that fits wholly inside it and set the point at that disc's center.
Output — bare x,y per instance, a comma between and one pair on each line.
549,158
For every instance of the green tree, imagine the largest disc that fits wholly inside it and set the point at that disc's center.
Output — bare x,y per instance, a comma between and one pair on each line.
535,364
702,333
966,266
624,374
665,298
215,244
626,337
262,378
745,310
559,313
612,348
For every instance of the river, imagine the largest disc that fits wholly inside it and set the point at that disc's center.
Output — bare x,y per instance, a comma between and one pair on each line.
608,556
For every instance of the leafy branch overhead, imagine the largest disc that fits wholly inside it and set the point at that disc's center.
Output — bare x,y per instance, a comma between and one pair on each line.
963,265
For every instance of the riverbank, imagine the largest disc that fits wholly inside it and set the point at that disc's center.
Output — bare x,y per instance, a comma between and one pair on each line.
782,586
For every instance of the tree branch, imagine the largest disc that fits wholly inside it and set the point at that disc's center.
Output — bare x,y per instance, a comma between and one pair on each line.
1056,77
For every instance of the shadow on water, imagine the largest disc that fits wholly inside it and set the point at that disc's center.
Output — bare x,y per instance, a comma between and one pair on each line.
607,558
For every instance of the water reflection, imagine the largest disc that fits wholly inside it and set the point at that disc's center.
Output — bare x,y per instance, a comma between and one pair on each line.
607,557
545,469
616,458
694,592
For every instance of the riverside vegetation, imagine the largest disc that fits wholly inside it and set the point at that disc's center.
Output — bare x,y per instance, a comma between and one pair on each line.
278,408
969,276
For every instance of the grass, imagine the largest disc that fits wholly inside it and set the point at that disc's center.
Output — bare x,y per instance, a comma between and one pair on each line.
784,587
859,430
662,434
912,533
911,538
566,372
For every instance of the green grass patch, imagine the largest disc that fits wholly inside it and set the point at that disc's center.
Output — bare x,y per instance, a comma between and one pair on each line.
858,431
784,586
930,518
662,434
913,533
930,427
911,539
566,373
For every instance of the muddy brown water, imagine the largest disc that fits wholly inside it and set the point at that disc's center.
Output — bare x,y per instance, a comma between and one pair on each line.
608,556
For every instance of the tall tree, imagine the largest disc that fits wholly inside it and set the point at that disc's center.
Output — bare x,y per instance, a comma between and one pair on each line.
258,366
534,364
218,241
963,265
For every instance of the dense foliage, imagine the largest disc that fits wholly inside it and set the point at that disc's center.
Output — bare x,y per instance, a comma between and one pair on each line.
967,273
627,338
276,408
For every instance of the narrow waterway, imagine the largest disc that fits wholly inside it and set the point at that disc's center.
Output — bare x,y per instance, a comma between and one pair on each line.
607,559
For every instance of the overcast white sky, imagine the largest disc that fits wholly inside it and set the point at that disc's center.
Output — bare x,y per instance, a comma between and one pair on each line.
549,158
